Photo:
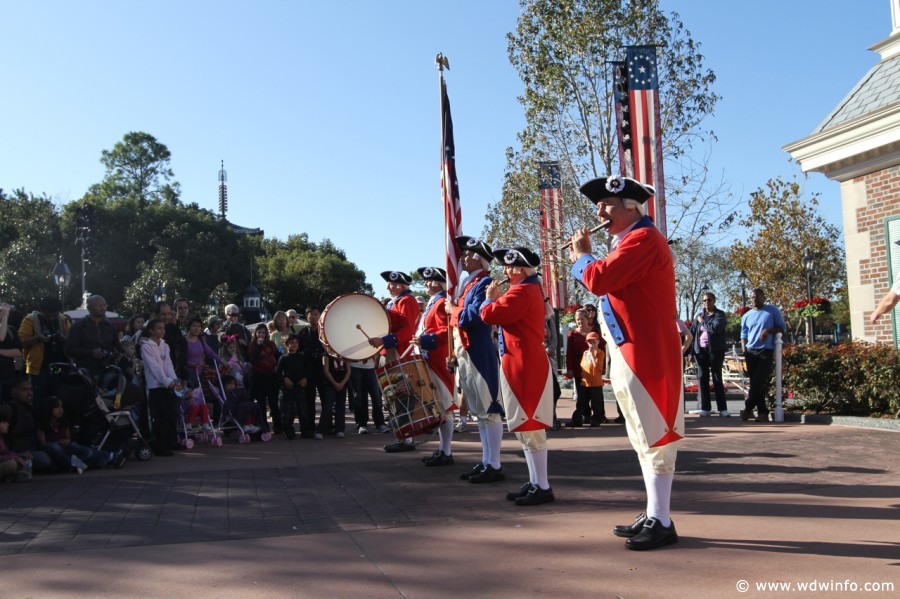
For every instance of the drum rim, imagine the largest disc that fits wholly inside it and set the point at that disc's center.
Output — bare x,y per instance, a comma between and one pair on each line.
323,336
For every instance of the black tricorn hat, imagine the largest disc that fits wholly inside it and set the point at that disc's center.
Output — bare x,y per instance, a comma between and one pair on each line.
517,256
475,245
433,273
395,276
618,187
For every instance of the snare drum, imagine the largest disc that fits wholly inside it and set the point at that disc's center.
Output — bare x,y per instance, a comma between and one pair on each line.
412,401
347,323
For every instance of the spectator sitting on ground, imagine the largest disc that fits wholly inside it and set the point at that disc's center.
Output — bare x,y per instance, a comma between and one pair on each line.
54,437
22,436
13,467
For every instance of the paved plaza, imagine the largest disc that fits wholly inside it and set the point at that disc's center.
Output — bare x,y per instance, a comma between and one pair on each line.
761,503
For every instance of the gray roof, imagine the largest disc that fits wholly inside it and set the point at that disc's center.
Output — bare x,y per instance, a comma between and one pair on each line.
880,87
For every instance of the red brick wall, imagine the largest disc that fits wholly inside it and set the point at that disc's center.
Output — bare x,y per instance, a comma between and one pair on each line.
882,201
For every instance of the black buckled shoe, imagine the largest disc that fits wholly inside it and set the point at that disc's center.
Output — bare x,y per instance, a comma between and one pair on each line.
630,530
536,496
470,473
433,455
399,446
652,536
441,459
488,475
513,495
746,415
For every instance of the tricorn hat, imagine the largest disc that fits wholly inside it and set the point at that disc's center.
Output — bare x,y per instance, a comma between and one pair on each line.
475,245
618,187
517,256
395,276
433,273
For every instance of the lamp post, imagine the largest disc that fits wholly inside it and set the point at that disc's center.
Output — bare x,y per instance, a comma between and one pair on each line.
61,277
744,281
159,294
212,304
687,305
809,266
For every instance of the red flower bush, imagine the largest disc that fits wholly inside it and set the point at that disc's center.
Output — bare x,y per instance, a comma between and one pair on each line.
742,310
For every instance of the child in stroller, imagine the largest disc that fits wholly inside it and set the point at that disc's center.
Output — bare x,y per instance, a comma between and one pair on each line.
195,420
102,415
241,413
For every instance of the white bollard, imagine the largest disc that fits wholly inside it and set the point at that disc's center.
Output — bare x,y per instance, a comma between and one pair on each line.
779,407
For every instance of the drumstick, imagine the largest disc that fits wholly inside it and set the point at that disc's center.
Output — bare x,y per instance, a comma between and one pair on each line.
362,331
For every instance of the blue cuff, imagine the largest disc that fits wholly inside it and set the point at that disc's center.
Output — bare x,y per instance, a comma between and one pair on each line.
390,341
579,267
428,341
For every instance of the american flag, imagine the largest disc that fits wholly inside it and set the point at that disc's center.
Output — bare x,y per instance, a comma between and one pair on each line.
643,126
450,195
549,181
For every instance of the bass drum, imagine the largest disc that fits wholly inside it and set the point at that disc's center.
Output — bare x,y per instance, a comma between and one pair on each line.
347,323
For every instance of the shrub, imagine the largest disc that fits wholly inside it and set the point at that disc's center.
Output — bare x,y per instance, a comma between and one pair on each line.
855,378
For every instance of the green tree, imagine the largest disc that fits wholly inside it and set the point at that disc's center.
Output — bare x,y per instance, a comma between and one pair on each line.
138,167
30,244
298,273
781,227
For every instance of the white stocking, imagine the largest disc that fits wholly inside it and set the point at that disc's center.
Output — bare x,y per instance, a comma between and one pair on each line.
529,459
495,432
445,434
659,496
539,459
485,442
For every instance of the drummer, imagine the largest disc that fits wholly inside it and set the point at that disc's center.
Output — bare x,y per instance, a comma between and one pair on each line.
403,312
476,356
524,366
433,344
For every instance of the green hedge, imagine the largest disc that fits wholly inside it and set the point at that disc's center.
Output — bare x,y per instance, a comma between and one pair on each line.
858,379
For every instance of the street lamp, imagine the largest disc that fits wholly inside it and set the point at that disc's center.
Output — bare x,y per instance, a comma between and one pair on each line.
809,266
744,281
687,305
61,277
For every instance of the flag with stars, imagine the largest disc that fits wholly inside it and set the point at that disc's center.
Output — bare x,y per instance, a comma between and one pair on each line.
645,129
623,115
450,195
553,279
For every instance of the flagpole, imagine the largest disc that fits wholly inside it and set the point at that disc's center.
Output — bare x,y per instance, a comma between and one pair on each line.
443,62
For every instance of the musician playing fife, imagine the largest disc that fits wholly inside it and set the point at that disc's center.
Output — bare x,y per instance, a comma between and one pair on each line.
636,285
403,312
476,357
527,388
433,344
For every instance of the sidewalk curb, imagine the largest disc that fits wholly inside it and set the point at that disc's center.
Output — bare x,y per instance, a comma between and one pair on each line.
857,421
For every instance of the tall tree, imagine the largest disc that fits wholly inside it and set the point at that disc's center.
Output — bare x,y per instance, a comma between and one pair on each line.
781,227
297,273
30,246
561,49
138,167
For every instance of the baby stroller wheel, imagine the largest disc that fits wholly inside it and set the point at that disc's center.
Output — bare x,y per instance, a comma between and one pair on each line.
188,443
243,438
143,453
265,437
217,442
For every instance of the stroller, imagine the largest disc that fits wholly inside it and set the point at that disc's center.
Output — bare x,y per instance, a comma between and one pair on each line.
103,415
193,409
229,421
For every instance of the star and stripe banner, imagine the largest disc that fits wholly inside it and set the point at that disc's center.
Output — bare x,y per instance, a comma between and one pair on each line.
450,195
553,279
640,134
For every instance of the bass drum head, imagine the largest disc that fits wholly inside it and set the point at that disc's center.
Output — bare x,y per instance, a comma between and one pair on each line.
342,324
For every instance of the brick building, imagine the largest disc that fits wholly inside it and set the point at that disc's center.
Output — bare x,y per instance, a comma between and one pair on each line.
858,145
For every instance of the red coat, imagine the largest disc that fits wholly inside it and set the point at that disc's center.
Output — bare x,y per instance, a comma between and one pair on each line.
638,282
526,386
436,324
403,315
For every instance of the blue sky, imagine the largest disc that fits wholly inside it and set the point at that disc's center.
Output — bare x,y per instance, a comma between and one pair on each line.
327,114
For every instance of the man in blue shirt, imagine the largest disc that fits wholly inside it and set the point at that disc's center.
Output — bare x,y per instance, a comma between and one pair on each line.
758,329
